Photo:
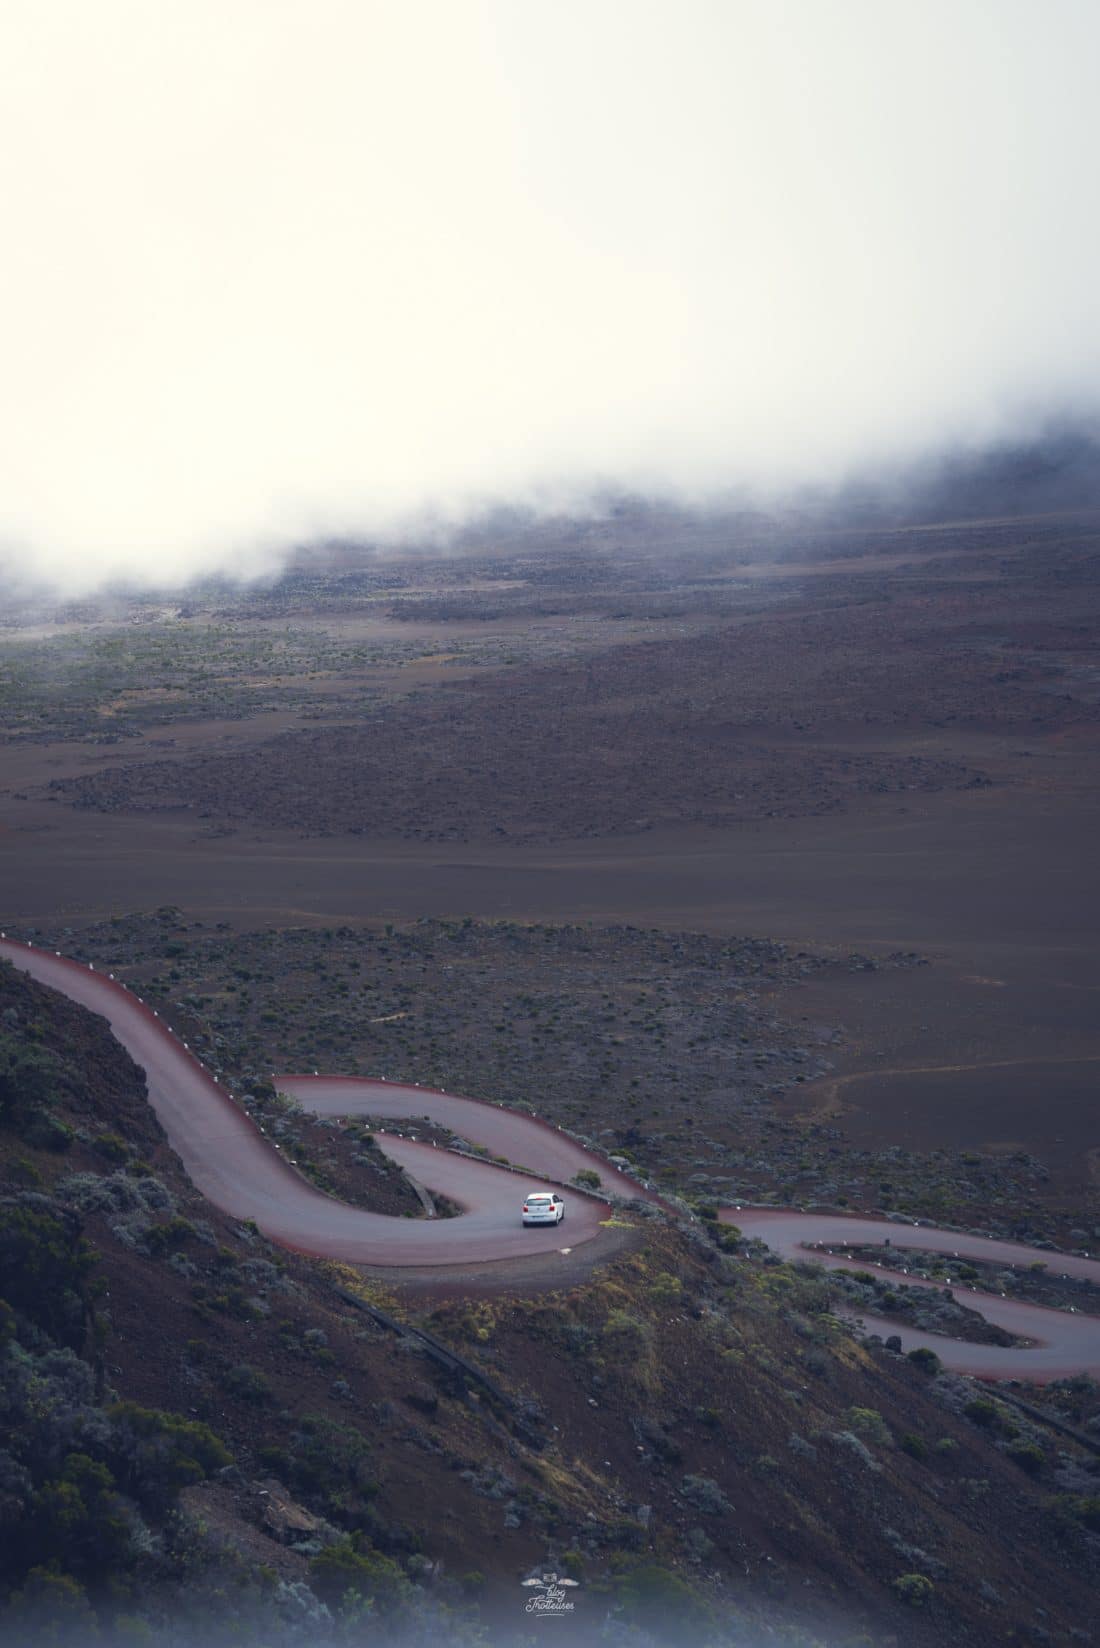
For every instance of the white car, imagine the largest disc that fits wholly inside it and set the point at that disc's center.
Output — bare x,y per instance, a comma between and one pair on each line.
543,1208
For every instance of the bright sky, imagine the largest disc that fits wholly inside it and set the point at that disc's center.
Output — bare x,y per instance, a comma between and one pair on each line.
275,268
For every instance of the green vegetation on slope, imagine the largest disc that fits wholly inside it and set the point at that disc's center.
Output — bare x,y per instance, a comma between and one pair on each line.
689,1432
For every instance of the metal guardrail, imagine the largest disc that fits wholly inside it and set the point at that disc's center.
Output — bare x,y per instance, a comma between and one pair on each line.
432,1348
529,1173
1055,1422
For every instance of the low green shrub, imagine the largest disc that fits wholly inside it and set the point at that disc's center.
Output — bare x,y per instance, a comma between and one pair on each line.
705,1494
33,1080
622,1326
870,1423
1028,1455
331,1465
989,1415
247,1384
46,1266
1080,1508
154,1454
658,1600
165,1238
345,1575
915,1589
111,1146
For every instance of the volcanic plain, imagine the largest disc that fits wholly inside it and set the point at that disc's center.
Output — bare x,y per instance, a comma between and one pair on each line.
618,750
762,860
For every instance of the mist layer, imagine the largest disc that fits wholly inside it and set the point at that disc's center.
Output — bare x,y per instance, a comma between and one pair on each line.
280,270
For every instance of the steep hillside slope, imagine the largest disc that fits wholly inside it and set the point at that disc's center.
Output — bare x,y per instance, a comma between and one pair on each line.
212,1434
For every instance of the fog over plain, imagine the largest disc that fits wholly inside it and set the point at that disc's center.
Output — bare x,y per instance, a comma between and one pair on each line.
276,270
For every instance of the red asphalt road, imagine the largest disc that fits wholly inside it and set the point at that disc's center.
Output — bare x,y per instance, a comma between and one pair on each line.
232,1162
241,1171
524,1140
1062,1343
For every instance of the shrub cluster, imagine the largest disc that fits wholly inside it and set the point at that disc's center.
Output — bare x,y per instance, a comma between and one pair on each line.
33,1081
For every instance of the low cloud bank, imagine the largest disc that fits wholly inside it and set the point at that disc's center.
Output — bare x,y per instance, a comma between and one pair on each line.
344,269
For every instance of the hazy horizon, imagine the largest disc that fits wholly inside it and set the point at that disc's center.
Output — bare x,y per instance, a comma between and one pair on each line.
278,272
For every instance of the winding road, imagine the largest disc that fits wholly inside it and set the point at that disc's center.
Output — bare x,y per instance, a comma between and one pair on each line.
1061,1343
233,1163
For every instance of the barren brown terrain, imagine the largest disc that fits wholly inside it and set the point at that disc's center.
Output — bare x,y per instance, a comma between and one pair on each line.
764,861
883,742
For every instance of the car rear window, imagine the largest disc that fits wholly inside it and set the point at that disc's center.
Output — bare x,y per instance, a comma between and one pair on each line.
538,1198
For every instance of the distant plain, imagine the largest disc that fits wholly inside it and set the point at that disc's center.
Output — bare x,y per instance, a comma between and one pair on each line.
876,743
